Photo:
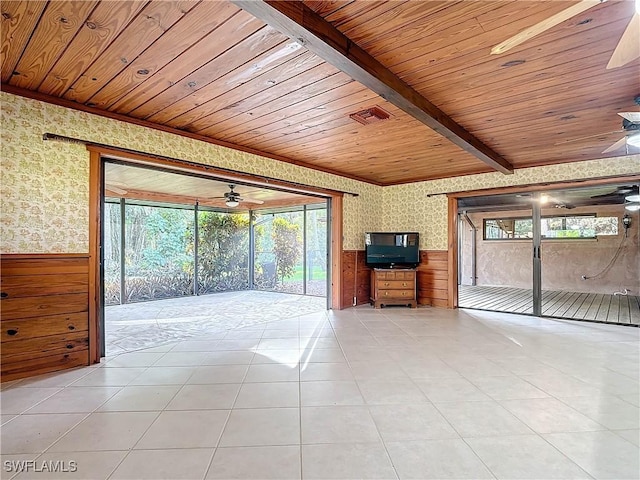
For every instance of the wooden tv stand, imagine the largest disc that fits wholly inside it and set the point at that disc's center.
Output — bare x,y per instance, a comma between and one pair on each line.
393,287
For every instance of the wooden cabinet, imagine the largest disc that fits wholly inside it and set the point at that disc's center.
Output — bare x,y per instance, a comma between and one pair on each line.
44,314
393,287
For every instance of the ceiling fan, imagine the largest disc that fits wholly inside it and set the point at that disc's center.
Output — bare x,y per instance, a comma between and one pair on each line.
627,50
621,191
631,127
232,198
632,199
629,195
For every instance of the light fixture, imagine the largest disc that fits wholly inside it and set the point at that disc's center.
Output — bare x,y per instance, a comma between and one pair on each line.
633,207
632,198
232,203
544,198
634,140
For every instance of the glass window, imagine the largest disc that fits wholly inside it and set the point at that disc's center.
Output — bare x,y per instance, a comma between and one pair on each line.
316,235
583,226
279,252
579,226
112,228
158,253
223,252
508,228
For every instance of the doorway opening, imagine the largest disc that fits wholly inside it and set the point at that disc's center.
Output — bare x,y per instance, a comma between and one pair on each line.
184,255
568,253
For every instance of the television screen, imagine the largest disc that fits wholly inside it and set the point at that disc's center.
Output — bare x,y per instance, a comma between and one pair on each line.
392,249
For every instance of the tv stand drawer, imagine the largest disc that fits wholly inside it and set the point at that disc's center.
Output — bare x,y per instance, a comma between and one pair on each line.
396,284
396,294
395,274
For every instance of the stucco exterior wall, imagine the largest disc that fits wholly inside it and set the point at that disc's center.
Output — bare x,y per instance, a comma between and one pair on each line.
508,262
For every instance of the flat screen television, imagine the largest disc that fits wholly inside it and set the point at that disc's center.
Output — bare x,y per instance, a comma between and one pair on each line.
392,249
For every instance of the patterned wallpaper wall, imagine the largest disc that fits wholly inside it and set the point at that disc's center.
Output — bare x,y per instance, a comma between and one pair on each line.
407,207
44,185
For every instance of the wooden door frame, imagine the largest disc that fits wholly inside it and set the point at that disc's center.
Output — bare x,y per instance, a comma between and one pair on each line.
452,215
97,158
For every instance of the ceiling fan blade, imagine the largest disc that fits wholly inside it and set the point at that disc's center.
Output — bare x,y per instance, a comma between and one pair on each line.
543,26
628,47
631,116
619,144
252,200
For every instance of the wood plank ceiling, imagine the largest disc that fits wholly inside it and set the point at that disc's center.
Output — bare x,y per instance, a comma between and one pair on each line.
212,70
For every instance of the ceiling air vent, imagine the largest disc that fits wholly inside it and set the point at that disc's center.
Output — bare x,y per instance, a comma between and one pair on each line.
370,115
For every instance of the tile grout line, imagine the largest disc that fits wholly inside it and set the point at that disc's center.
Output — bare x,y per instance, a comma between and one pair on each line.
226,422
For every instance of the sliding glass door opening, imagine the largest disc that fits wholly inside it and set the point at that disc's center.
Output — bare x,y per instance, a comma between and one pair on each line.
570,253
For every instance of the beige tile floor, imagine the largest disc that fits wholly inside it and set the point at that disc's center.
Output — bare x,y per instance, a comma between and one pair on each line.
361,393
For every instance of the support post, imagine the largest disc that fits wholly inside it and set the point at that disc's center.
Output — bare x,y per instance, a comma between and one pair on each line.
96,340
452,255
123,270
304,249
252,252
196,245
537,260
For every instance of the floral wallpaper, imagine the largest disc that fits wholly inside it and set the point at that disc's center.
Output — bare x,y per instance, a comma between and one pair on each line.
44,184
407,207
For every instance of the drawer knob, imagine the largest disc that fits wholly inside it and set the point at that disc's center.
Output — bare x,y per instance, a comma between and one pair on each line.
404,284
69,346
386,293
71,327
4,294
386,284
12,332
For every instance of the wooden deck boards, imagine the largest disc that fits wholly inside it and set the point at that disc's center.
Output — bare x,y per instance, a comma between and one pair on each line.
624,309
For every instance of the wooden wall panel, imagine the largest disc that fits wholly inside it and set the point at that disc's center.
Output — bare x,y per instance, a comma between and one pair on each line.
433,278
355,278
44,313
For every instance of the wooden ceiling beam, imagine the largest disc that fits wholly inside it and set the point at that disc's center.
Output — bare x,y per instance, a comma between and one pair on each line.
296,20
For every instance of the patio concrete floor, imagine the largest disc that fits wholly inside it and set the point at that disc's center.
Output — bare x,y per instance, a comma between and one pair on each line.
136,326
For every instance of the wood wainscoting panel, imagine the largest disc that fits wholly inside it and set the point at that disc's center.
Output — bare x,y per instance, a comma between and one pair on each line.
355,278
44,313
433,278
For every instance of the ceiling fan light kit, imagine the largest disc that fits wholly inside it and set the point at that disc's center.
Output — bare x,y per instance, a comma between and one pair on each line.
634,140
232,198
